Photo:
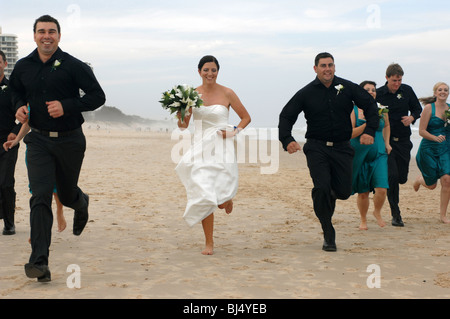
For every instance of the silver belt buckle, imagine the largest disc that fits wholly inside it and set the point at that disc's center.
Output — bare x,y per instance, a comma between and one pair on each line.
330,144
53,134
396,139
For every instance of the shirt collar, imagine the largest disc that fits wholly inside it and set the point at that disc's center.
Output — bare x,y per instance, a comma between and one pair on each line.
384,89
4,81
35,56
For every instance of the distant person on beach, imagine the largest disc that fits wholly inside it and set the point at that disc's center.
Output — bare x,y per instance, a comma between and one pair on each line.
8,131
370,164
211,183
404,110
433,155
327,103
49,82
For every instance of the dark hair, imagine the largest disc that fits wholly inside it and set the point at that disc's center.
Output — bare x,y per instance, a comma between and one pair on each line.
394,69
364,83
207,59
322,55
46,18
2,54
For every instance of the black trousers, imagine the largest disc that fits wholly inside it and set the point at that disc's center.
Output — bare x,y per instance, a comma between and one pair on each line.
330,168
8,162
50,162
398,169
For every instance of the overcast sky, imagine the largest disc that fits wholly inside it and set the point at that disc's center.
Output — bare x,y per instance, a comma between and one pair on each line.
266,49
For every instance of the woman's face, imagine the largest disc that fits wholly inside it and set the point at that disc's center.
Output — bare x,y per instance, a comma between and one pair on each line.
441,92
371,89
209,72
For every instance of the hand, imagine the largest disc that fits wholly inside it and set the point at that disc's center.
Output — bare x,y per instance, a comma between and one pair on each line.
366,139
293,147
440,138
388,149
9,145
227,133
55,109
407,120
22,114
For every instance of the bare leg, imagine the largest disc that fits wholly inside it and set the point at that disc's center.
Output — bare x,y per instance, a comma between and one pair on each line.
208,229
378,201
363,205
445,197
59,214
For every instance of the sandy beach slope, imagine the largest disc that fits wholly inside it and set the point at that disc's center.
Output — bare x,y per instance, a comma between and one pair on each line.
136,244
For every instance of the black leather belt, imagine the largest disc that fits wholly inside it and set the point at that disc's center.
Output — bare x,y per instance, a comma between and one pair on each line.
327,143
56,134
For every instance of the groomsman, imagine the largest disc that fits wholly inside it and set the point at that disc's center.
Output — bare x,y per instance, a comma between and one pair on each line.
49,82
404,110
327,103
8,131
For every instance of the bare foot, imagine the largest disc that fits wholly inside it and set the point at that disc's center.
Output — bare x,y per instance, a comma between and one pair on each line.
416,184
363,225
61,222
445,220
208,250
380,220
228,206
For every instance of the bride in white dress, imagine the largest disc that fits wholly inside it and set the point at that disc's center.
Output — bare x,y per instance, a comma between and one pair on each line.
210,173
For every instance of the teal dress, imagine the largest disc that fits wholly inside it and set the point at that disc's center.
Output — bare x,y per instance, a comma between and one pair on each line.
370,163
433,158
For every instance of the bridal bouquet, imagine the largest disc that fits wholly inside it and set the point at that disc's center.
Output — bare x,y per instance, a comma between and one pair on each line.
181,98
447,117
382,109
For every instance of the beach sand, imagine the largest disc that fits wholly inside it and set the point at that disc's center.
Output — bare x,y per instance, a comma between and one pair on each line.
137,245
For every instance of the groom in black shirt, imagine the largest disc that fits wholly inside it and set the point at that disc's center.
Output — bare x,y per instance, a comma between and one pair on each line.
327,103
45,88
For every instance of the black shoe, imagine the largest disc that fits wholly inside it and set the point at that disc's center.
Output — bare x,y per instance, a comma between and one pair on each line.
80,218
328,246
9,231
397,221
41,272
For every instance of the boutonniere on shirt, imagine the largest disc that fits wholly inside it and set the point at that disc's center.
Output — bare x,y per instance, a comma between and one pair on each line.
3,88
382,109
399,96
56,64
447,118
339,88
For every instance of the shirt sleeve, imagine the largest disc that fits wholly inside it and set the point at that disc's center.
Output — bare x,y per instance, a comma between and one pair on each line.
93,97
288,117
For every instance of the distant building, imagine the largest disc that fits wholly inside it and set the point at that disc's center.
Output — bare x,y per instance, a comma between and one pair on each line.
9,45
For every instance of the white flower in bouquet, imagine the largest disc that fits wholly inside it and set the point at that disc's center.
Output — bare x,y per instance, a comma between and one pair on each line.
181,98
447,118
382,109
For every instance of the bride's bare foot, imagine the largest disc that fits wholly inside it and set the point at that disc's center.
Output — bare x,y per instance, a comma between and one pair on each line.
380,220
416,184
228,206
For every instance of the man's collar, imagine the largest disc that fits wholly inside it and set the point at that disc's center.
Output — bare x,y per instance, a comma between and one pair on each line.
57,55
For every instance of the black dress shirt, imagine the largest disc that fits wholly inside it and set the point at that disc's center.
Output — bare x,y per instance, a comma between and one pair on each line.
59,79
327,111
401,103
7,111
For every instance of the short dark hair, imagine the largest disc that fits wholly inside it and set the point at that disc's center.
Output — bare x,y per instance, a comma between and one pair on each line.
2,54
46,18
394,69
207,59
322,55
364,83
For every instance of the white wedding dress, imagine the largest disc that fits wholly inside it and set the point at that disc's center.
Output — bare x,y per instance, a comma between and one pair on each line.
209,169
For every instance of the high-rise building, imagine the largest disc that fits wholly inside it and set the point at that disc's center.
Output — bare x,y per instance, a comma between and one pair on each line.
9,45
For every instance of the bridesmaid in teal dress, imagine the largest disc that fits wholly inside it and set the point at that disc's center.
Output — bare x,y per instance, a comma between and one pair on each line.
433,155
370,168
